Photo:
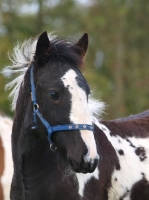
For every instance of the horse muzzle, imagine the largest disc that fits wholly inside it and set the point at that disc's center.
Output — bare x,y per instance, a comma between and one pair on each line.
83,166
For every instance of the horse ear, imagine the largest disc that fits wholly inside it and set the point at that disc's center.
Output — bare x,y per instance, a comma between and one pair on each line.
83,44
42,49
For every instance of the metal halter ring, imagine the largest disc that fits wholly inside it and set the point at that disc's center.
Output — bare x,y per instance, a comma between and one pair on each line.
51,147
36,106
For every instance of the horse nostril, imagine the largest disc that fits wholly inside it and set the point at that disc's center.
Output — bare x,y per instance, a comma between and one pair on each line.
89,165
85,164
96,161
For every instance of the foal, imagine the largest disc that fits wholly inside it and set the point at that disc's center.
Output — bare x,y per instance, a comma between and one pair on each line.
104,160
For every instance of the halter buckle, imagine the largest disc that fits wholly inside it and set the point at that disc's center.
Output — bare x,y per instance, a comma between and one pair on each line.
36,106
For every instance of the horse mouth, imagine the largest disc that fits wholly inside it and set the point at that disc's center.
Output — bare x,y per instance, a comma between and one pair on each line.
83,167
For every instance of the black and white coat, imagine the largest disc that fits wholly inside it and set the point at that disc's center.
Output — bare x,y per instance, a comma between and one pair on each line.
122,146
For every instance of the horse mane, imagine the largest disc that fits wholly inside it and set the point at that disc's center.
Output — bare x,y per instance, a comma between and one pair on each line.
23,56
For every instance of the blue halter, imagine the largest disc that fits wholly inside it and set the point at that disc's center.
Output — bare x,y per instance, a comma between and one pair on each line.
51,129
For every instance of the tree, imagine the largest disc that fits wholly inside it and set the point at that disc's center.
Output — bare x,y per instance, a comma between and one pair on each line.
117,60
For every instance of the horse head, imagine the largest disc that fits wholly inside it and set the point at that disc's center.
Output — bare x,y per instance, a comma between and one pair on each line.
62,95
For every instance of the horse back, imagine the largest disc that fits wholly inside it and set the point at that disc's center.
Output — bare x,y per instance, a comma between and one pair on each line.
136,116
132,126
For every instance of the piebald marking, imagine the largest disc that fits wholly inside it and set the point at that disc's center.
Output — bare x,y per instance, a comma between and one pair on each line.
130,172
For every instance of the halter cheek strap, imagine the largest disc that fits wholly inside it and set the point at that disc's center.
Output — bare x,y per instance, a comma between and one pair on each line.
51,129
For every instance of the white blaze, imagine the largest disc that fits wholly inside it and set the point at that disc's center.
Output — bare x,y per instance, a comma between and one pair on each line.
79,113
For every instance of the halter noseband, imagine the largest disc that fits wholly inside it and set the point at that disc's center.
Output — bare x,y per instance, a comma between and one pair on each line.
51,129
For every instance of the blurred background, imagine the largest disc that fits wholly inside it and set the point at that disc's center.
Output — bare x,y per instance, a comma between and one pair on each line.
117,63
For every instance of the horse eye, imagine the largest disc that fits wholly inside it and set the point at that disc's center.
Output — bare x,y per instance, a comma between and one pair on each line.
53,95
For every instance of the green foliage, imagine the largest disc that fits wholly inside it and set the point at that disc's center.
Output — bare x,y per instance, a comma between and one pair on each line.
117,61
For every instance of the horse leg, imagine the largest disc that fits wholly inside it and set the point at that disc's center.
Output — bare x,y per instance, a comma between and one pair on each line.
17,190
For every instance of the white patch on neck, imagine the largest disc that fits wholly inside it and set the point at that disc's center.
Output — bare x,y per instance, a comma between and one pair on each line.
5,134
80,113
96,107
83,179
